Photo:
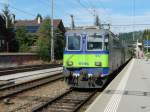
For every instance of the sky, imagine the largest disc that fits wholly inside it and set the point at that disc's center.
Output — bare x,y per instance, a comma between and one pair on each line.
114,12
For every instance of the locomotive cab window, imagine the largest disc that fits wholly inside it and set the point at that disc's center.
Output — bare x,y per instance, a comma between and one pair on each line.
74,43
94,42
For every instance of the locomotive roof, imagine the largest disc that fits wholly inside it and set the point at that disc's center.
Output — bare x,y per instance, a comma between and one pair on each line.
90,31
87,31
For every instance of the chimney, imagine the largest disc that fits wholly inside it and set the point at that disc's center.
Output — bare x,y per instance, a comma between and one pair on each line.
13,18
39,19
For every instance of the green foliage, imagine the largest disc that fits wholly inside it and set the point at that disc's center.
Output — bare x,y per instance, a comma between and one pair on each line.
43,49
59,44
43,42
44,30
21,35
146,35
24,39
24,48
128,37
6,13
147,55
9,34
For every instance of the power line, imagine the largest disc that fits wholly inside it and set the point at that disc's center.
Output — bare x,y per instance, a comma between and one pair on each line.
20,10
45,3
92,7
82,5
147,24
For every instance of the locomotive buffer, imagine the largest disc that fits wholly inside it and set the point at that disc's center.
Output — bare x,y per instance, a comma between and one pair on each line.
128,92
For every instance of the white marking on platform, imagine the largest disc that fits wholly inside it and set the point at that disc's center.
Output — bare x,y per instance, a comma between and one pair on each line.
113,104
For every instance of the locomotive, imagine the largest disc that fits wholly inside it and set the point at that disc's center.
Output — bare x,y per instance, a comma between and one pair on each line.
91,55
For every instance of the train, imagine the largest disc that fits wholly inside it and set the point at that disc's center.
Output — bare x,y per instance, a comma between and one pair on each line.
91,55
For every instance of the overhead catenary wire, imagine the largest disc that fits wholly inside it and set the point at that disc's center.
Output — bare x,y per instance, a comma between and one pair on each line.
85,7
20,10
92,7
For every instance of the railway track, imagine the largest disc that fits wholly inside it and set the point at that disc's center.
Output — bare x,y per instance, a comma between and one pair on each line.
70,101
11,70
11,90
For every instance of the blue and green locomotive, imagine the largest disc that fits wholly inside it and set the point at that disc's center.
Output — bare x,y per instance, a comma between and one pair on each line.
91,54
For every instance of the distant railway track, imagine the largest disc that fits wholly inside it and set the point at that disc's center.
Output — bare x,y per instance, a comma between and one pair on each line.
11,90
11,70
70,101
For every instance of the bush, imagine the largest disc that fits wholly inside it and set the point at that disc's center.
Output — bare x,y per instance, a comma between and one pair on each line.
24,48
147,55
43,50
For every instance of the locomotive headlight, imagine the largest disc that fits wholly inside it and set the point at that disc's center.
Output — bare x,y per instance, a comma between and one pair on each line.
69,63
98,64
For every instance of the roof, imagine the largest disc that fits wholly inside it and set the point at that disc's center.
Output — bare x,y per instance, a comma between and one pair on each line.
35,23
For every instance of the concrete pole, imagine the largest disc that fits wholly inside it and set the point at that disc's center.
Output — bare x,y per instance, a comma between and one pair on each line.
147,43
52,31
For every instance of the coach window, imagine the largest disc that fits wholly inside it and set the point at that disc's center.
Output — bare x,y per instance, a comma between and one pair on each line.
94,42
74,43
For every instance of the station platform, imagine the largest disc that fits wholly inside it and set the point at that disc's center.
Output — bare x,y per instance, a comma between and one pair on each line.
26,76
128,92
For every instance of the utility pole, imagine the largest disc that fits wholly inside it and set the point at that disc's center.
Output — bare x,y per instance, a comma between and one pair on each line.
52,31
147,43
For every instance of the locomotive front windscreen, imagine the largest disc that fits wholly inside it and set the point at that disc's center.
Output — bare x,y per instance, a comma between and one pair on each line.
74,43
94,42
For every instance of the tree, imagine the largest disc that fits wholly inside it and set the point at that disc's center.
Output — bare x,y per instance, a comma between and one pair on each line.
23,39
10,35
43,50
59,44
43,42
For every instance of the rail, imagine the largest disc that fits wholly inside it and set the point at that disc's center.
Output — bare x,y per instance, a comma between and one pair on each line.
71,101
18,88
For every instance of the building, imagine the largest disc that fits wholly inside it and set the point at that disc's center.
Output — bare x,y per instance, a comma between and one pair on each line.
33,26
2,34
